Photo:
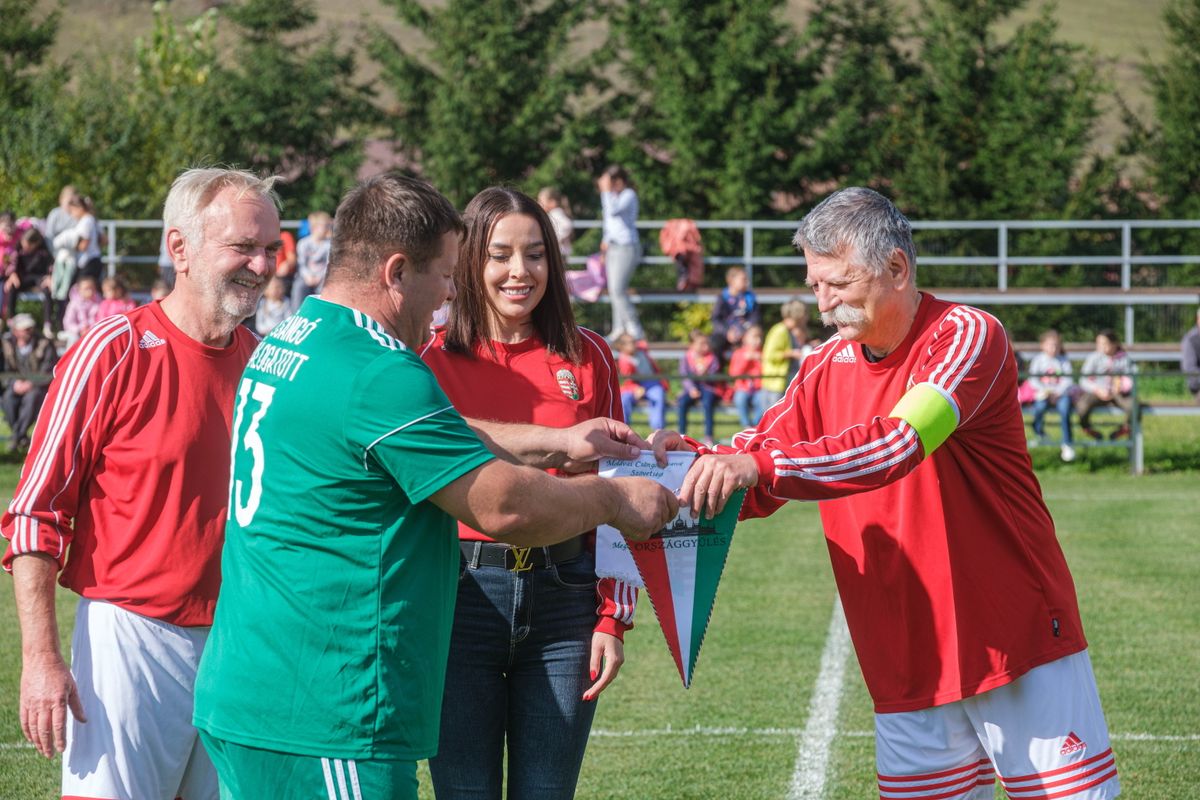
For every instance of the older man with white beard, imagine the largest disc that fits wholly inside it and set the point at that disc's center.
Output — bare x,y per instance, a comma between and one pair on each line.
125,491
906,427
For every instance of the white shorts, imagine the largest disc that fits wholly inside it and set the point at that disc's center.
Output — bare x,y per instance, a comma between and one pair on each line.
1044,734
136,677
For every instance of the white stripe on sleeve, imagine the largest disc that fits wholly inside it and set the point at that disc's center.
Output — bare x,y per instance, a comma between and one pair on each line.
76,378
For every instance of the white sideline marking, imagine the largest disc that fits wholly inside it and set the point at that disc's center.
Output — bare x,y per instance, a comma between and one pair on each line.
812,752
695,730
765,733
768,733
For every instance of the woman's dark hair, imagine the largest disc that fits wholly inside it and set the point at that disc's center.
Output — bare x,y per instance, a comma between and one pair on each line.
553,319
619,172
34,238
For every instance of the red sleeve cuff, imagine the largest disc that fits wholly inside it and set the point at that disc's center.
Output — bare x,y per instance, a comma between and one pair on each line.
612,627
13,552
766,466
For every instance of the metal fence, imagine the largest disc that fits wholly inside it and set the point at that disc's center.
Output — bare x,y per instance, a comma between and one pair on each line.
1129,253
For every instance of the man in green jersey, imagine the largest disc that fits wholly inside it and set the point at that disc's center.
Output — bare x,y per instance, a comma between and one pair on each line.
323,674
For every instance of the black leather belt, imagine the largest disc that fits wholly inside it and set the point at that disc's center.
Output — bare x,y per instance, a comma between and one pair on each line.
518,559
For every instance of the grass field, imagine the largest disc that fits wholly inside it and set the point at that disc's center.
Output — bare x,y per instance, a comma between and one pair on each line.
737,732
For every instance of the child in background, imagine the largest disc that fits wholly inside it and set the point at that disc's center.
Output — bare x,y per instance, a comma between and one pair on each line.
699,360
83,309
9,242
1050,377
1105,379
116,299
273,308
735,310
783,348
633,358
159,289
555,204
747,360
33,266
10,246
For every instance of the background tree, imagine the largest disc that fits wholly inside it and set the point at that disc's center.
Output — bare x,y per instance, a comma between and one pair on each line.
1171,147
1169,150
25,42
136,119
30,133
290,104
712,92
850,48
499,95
991,128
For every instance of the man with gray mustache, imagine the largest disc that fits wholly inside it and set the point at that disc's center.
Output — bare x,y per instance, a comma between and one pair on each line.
906,427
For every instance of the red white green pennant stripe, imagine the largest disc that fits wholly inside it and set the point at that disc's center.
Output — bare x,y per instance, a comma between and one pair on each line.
681,568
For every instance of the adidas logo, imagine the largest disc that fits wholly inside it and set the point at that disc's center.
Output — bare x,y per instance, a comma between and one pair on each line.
149,340
1073,744
846,356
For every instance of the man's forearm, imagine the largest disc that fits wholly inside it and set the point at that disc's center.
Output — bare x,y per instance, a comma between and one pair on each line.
518,443
33,584
564,508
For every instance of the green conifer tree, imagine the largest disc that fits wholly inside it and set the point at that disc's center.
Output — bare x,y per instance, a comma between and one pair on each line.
290,103
1171,147
502,94
991,127
30,136
713,100
850,47
25,42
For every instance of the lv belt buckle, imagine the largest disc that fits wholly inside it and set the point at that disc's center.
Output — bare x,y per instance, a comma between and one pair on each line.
521,562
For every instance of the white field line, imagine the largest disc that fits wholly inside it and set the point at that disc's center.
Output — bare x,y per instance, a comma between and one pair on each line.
792,733
812,751
765,733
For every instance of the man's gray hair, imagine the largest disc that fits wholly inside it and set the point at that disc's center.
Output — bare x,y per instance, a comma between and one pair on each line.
194,190
860,219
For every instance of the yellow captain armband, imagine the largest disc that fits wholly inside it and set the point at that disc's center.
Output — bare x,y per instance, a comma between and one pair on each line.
932,414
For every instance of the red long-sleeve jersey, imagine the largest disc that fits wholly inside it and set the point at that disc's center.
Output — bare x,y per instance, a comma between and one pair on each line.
947,564
525,382
127,481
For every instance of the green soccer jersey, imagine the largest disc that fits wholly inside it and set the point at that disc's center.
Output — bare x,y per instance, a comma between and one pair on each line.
338,575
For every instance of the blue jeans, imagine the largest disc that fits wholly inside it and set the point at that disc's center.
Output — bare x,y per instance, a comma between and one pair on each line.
748,407
656,404
517,671
1063,406
707,401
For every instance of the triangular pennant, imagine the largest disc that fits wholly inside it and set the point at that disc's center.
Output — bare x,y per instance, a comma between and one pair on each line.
681,568
612,551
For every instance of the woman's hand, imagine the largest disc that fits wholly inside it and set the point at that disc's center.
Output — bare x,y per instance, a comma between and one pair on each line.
608,654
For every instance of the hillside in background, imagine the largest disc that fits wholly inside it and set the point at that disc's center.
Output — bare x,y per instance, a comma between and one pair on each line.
1121,32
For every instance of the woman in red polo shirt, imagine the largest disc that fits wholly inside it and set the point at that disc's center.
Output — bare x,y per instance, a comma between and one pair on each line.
536,636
